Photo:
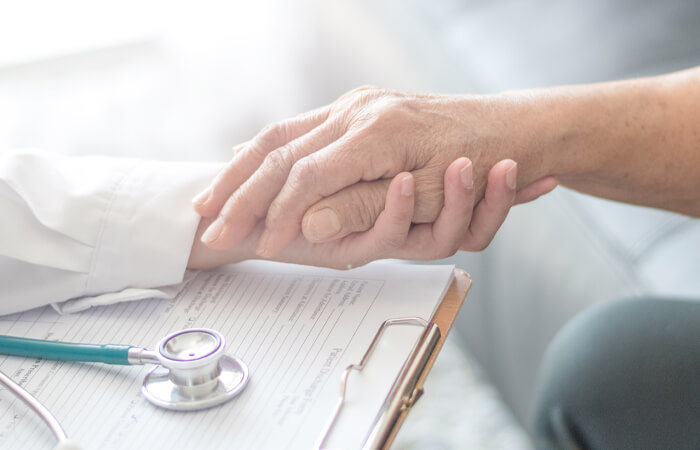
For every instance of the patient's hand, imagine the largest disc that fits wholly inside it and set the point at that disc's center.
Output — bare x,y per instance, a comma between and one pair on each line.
350,150
355,208
458,225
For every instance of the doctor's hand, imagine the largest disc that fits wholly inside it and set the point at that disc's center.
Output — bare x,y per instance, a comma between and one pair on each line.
393,235
351,149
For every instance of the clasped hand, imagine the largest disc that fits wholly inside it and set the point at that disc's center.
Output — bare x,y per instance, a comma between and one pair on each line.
376,174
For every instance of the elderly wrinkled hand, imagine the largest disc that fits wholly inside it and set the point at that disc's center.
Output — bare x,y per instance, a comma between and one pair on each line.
328,170
392,235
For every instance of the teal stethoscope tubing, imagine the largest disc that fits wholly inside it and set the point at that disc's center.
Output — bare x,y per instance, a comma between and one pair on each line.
66,351
190,360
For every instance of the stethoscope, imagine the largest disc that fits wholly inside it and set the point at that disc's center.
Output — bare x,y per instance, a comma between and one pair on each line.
193,372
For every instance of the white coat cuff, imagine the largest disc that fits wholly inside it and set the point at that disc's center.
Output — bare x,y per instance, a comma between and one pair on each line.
147,233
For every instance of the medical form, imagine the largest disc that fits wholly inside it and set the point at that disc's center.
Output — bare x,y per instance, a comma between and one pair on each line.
296,327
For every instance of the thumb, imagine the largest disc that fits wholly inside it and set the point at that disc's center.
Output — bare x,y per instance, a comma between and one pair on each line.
349,210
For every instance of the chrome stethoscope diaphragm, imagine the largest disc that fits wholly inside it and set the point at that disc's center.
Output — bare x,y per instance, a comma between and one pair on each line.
194,373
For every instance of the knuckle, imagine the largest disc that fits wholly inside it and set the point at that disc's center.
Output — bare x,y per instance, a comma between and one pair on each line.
429,201
389,104
305,172
369,109
367,94
364,208
363,124
390,107
360,218
371,122
256,151
385,114
360,92
278,161
272,134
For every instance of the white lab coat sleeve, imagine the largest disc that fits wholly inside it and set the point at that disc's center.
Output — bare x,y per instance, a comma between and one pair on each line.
84,231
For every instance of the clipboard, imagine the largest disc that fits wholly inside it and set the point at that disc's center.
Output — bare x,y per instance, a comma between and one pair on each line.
293,361
407,387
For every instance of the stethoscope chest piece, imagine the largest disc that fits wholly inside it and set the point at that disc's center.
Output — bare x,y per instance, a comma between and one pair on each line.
194,373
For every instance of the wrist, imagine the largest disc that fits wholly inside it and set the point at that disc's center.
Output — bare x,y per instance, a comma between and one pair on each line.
510,125
590,137
554,131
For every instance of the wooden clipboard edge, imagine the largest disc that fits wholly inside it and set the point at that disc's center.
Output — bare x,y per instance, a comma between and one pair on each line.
444,318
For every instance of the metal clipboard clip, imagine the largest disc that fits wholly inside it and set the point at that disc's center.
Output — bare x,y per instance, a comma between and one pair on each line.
404,391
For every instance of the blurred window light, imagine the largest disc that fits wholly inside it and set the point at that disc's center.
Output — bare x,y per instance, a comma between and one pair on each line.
35,30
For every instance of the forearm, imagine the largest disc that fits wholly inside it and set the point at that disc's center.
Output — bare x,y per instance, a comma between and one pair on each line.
635,141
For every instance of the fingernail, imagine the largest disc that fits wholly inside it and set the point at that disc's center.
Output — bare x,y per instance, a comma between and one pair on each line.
467,176
512,176
407,186
202,197
262,243
213,232
323,224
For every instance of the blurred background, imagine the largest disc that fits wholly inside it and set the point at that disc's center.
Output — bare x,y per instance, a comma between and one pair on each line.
185,81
